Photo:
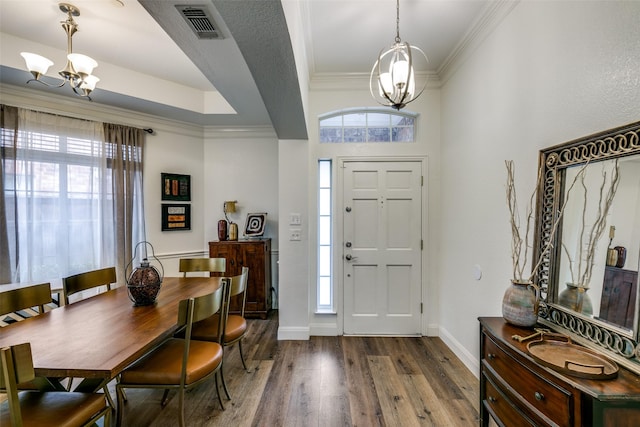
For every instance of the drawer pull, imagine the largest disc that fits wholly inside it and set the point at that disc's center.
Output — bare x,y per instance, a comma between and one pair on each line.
491,356
492,399
539,396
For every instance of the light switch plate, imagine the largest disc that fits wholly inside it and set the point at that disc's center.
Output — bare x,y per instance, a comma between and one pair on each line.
295,219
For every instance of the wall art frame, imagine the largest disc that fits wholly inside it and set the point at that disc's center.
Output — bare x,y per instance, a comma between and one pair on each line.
176,217
175,187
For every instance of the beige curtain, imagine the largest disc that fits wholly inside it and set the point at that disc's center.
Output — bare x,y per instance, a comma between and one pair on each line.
8,207
128,146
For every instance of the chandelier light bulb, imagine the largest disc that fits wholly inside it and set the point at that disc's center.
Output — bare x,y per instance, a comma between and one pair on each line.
36,64
83,64
89,83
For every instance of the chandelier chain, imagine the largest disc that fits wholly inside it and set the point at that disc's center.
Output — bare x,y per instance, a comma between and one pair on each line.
398,21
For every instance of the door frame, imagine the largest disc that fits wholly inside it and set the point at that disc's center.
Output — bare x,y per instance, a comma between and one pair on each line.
338,252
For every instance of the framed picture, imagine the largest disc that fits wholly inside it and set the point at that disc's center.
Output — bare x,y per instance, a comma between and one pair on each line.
176,187
176,217
254,226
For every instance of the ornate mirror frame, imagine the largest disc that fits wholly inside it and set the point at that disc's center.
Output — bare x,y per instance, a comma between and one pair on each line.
614,143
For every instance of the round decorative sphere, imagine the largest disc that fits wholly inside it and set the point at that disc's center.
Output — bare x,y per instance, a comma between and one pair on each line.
143,285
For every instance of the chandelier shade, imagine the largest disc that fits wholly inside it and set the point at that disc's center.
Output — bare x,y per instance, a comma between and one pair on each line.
78,69
393,82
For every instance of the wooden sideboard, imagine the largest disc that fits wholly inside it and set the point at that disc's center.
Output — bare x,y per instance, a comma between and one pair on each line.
255,254
515,390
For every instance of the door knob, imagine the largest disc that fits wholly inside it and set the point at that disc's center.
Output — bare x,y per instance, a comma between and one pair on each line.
348,257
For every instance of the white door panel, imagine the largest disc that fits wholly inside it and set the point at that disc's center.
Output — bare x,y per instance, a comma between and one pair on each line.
382,247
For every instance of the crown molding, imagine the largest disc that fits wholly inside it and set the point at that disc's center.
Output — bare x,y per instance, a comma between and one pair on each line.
84,109
226,133
493,13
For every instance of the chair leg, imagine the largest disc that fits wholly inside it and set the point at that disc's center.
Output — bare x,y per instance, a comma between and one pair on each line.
165,399
120,408
224,383
107,418
218,389
181,404
242,357
109,398
123,393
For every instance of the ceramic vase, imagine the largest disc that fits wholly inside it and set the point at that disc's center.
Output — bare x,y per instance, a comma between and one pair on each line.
520,303
576,298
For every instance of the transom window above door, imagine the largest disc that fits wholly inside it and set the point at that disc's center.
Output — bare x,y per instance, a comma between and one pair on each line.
367,125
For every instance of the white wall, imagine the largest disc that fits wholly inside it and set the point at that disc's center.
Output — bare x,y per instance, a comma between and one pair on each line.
550,72
242,166
294,255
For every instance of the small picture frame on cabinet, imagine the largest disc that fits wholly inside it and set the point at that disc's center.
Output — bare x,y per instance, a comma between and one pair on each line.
255,224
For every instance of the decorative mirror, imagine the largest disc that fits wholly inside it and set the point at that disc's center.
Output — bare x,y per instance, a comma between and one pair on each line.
589,280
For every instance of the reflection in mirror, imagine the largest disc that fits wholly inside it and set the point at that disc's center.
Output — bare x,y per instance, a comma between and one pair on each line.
600,257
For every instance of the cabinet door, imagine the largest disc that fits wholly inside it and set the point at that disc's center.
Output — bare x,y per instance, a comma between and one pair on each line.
255,256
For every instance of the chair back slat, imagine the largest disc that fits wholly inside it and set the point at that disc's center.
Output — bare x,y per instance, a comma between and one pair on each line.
195,309
25,298
90,279
212,265
17,367
19,364
237,285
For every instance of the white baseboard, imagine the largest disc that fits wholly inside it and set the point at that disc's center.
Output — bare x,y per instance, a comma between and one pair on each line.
293,333
433,330
324,330
470,361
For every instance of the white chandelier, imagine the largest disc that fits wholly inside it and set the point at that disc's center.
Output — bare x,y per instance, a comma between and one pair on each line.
79,67
393,75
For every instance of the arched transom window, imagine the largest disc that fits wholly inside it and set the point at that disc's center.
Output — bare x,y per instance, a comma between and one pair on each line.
367,125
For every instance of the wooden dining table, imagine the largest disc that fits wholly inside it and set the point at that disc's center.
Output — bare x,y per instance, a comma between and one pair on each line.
98,337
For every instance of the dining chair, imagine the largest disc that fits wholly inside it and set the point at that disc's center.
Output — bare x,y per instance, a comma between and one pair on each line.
178,363
212,265
24,302
77,283
35,408
91,279
234,325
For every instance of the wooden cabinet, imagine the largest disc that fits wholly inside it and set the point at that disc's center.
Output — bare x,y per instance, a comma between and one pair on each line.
517,391
618,303
255,254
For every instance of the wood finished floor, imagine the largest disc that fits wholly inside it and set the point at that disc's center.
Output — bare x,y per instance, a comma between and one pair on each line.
326,381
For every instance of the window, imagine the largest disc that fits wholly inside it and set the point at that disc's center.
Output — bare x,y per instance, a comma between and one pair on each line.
63,198
325,270
367,125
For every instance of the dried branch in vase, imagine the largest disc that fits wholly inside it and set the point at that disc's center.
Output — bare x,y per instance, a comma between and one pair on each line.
588,237
520,238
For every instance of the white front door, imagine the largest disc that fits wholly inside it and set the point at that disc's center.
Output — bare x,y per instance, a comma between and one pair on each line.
382,240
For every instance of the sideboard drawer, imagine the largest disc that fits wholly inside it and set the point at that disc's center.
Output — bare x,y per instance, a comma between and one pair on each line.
545,399
501,407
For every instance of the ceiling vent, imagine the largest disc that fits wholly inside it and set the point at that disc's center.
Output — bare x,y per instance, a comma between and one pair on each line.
200,21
